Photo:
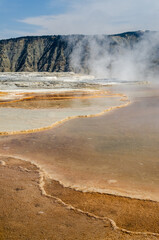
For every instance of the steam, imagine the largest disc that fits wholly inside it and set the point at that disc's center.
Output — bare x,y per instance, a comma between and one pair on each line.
130,57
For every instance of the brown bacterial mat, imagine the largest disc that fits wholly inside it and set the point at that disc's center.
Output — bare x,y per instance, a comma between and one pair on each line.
28,213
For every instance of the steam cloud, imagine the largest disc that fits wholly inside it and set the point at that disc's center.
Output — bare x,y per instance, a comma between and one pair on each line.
129,58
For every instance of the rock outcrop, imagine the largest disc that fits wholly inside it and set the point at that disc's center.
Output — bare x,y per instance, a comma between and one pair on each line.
54,53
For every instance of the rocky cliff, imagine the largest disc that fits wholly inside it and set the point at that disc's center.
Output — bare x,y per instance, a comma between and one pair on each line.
57,53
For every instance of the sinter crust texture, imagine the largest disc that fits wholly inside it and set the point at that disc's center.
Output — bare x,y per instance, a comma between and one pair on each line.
28,212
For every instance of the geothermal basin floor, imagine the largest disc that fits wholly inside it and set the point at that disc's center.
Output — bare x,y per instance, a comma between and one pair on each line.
88,178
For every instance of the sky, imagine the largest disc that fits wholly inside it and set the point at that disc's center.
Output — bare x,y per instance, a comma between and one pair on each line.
53,17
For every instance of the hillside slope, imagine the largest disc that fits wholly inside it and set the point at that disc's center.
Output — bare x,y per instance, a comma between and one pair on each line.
57,53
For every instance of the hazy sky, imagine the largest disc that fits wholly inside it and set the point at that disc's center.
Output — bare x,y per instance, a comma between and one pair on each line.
45,17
